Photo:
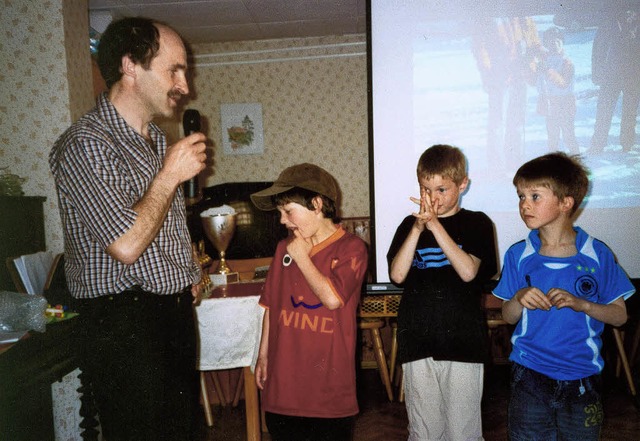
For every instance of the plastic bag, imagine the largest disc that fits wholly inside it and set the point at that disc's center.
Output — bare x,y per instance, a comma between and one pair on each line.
22,312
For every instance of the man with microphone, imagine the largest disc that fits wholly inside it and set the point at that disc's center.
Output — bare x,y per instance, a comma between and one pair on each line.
128,255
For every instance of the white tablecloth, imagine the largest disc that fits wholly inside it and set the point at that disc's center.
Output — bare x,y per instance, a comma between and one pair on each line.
229,331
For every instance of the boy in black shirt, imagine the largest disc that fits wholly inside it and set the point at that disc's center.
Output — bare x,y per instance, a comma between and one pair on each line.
443,255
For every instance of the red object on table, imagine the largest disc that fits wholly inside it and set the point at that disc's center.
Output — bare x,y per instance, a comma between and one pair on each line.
237,290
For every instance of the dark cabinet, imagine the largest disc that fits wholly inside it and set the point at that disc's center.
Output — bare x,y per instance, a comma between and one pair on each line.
21,231
27,369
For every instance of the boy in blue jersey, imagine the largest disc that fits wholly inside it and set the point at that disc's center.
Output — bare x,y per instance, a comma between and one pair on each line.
561,286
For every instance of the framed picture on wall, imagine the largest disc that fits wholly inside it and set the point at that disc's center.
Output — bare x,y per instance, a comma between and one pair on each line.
242,129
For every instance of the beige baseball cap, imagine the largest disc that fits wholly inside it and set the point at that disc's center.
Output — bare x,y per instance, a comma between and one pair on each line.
307,176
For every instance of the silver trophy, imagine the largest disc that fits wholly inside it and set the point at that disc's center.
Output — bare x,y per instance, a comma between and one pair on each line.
219,225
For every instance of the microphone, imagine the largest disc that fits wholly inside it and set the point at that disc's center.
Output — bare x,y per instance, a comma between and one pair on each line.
191,124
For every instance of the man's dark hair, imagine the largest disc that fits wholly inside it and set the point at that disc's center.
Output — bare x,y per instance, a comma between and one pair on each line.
136,37
305,198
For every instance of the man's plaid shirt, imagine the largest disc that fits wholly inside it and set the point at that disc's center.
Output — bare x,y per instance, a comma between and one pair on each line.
102,168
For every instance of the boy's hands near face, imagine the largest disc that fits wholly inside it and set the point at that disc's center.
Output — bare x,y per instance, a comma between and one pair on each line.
299,247
533,298
428,211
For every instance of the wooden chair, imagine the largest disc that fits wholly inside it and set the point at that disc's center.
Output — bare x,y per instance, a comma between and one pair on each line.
395,371
373,314
373,325
634,310
497,333
359,226
623,361
635,343
217,387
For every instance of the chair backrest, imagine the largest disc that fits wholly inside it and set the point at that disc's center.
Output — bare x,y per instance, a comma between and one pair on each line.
358,226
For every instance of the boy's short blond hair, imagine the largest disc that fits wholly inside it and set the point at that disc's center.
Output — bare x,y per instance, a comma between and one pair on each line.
564,175
444,160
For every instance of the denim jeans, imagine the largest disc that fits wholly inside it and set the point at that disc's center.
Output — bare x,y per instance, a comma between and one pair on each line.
542,408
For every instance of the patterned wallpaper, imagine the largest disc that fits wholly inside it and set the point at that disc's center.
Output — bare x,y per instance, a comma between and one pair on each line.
45,84
313,94
42,61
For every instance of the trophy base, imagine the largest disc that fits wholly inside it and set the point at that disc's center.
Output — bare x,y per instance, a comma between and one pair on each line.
224,279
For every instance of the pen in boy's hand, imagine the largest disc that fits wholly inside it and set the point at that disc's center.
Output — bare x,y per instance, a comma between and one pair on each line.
528,279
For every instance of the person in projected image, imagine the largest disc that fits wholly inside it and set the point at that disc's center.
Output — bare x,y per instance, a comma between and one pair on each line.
556,99
616,69
128,255
560,286
505,49
306,362
442,255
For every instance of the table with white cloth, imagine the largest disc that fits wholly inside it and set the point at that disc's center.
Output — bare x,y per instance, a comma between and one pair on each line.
229,326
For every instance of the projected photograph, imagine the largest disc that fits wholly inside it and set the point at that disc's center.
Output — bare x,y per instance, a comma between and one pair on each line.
507,89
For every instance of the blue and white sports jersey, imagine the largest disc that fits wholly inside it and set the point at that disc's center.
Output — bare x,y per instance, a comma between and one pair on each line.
562,343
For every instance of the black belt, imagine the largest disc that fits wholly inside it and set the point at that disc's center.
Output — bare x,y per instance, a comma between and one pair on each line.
136,294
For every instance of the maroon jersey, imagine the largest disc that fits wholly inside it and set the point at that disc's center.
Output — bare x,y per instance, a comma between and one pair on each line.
311,354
